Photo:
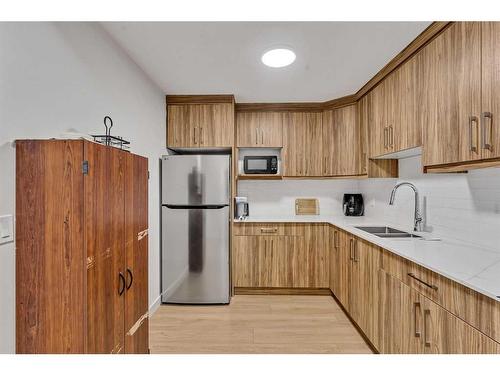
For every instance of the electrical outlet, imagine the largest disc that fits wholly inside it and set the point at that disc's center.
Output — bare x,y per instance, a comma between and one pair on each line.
6,229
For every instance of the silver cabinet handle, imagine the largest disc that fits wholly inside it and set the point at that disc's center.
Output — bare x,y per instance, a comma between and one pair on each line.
486,145
391,136
385,137
261,136
268,230
472,120
336,240
356,252
427,313
412,275
201,136
194,135
256,136
351,249
415,306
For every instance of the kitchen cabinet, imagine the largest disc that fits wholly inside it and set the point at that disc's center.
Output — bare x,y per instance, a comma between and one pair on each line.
302,144
452,95
78,204
341,152
200,125
412,324
339,266
490,90
363,290
399,316
273,260
372,168
259,129
395,112
378,128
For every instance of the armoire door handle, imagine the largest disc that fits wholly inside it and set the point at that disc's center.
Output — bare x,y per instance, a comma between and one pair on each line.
129,273
121,287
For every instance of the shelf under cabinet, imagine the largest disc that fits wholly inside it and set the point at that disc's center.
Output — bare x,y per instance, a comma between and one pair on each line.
260,177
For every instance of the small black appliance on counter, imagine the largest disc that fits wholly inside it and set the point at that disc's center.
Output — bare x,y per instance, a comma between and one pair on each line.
353,205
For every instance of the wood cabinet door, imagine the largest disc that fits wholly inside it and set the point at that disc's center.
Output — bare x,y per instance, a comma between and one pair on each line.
104,237
259,129
444,333
490,81
216,125
346,141
247,129
136,252
363,123
399,317
271,129
302,144
378,126
341,261
245,261
407,126
181,124
363,289
451,95
50,252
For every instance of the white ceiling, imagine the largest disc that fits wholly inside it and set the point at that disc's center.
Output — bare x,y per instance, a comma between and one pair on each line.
333,58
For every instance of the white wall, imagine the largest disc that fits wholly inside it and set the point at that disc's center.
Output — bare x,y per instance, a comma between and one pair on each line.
276,198
56,77
463,206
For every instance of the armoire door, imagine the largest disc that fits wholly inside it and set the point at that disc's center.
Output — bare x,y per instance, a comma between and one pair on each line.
104,238
136,254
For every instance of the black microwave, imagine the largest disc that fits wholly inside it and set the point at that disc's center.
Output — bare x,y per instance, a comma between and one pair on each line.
260,164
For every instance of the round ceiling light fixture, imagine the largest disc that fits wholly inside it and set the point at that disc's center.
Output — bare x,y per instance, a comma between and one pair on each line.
278,57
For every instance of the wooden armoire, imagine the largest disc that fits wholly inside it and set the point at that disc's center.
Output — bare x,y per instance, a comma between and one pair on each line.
81,248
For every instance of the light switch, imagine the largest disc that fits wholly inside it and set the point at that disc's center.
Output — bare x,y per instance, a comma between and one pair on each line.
6,229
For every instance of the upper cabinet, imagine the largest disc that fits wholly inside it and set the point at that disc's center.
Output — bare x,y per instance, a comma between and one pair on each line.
451,95
200,125
394,113
259,129
302,144
490,89
462,81
341,138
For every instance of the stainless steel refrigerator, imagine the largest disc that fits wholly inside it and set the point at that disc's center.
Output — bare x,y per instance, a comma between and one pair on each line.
196,191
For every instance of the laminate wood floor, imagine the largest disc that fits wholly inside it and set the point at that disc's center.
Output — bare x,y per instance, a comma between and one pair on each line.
256,324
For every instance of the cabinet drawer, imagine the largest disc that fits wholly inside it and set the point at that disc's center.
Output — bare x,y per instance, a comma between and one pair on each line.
478,310
268,229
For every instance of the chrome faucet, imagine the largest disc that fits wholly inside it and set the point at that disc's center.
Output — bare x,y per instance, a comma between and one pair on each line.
418,221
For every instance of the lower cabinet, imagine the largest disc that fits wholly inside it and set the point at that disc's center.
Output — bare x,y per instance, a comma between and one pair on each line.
353,279
339,266
281,261
363,286
410,323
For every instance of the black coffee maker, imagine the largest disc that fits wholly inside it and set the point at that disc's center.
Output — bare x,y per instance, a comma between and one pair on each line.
353,205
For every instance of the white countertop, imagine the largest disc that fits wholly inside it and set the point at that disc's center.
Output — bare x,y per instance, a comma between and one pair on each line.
472,266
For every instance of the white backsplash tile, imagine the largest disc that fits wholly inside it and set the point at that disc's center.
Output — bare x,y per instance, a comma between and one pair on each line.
276,198
464,206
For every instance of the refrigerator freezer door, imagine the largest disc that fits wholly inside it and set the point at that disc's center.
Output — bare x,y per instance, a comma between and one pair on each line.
195,255
193,180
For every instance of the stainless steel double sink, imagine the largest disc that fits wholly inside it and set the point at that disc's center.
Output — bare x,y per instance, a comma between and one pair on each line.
388,232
